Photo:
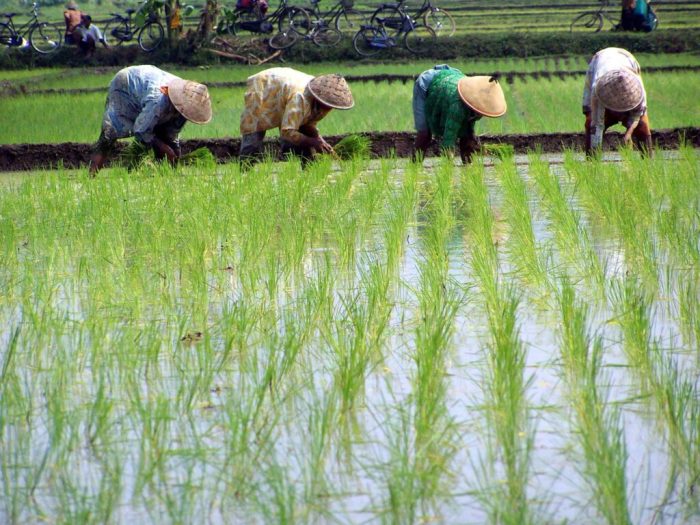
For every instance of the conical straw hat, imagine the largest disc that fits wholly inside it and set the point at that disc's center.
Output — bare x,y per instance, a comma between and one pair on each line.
191,99
483,94
332,90
620,90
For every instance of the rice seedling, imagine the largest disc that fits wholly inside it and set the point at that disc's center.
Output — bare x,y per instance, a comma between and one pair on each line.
353,146
570,236
505,385
598,425
527,258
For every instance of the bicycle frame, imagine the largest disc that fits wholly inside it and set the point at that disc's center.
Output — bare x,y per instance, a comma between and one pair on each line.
336,10
24,29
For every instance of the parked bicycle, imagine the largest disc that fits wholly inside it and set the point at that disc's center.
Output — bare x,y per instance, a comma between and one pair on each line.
594,20
373,38
292,21
43,37
146,28
436,18
342,15
321,34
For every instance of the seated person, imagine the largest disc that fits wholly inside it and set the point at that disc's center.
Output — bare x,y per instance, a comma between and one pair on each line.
72,18
637,15
87,35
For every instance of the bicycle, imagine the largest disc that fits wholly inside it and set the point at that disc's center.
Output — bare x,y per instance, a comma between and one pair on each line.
291,21
149,33
593,20
321,34
341,15
373,38
436,18
43,37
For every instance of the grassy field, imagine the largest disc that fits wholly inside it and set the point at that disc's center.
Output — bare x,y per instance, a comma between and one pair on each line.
383,342
535,106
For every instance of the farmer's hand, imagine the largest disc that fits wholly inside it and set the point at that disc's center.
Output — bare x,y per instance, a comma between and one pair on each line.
162,150
321,145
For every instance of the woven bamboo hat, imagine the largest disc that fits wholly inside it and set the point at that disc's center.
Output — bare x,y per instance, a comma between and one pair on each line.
483,94
620,90
191,99
332,90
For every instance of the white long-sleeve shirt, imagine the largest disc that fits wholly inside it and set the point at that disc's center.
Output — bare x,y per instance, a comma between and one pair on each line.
604,61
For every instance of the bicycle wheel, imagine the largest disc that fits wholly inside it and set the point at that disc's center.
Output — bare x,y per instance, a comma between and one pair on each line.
150,36
349,21
419,40
367,41
391,17
295,19
45,38
6,35
284,39
588,21
440,21
327,37
116,32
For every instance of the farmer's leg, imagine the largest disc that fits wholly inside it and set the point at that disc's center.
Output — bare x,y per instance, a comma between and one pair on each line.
101,151
420,121
251,147
116,123
642,136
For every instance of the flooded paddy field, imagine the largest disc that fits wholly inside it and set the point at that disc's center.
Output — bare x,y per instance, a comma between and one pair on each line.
384,341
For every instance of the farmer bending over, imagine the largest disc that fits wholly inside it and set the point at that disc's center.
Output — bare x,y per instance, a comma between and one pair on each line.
294,102
614,93
153,106
447,104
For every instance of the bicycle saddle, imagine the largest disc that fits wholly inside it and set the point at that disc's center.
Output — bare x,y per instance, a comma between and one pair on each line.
130,11
9,15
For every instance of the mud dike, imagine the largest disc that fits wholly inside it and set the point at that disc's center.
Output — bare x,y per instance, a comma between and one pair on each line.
71,155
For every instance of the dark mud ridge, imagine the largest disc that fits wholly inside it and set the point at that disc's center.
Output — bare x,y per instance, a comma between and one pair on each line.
20,157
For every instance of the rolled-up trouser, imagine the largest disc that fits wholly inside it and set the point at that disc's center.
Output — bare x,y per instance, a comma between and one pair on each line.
420,93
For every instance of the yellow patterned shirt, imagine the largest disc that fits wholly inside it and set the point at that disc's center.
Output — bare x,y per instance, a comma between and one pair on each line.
277,98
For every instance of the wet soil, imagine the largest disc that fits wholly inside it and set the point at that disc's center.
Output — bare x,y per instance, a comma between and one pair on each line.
22,157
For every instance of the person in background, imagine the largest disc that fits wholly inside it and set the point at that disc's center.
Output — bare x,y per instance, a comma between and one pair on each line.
637,15
72,19
88,35
447,104
614,93
153,106
294,102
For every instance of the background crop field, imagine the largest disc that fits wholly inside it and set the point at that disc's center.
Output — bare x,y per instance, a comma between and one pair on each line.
378,342
535,105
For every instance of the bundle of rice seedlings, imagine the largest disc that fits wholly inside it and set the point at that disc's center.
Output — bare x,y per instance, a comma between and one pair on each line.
353,146
134,154
200,157
500,151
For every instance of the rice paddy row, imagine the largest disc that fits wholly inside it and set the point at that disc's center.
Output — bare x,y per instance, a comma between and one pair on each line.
356,342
